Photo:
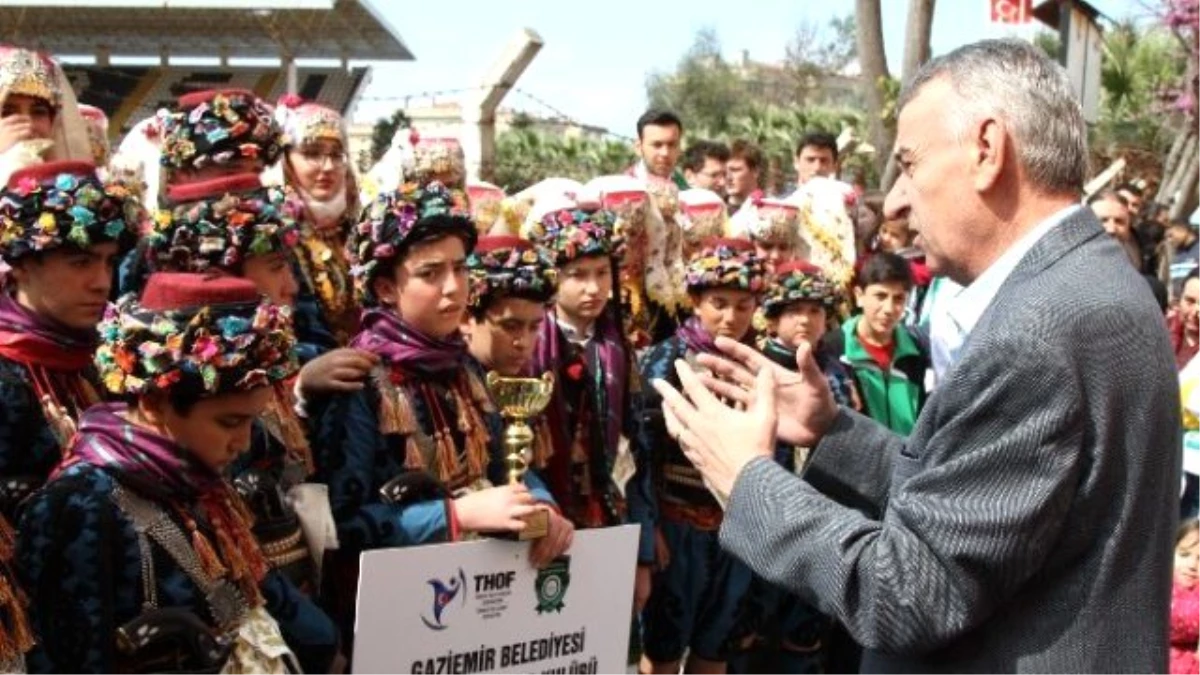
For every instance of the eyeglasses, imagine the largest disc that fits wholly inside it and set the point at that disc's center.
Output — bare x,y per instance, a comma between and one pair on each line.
317,158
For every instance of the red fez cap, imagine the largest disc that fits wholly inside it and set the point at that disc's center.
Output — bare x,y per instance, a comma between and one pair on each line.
498,241
171,290
195,98
50,170
801,266
216,187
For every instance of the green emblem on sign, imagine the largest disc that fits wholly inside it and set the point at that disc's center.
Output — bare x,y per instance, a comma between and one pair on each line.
551,584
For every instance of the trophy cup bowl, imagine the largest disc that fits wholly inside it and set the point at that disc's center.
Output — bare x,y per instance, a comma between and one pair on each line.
520,398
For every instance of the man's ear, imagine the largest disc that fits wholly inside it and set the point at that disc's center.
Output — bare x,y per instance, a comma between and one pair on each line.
991,144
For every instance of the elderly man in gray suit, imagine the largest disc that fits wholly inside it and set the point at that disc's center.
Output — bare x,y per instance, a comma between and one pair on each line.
1026,524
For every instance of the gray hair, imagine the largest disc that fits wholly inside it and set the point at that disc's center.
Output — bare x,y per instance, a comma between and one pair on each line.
1015,81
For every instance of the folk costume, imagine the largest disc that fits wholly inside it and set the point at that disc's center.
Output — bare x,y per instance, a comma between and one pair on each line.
775,631
34,74
137,556
216,224
322,262
46,374
694,599
594,415
772,223
650,280
214,227
207,135
424,430
826,230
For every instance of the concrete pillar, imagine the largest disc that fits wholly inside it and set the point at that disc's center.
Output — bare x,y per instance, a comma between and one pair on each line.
478,136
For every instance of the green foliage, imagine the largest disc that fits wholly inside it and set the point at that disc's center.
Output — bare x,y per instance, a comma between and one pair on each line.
525,156
385,129
1139,65
705,90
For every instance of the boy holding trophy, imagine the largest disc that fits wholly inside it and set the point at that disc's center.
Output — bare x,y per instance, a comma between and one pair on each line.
416,457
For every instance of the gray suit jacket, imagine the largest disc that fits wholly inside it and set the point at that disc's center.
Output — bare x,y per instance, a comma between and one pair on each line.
1027,523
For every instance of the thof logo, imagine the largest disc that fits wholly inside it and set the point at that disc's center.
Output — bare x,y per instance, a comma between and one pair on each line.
551,584
444,593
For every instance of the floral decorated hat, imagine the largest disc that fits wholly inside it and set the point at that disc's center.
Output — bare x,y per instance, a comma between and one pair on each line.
217,224
726,263
217,127
28,73
196,333
55,204
574,233
302,122
395,219
795,281
504,266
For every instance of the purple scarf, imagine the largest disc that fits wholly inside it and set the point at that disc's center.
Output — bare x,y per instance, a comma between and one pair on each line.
397,343
696,338
142,458
614,362
32,339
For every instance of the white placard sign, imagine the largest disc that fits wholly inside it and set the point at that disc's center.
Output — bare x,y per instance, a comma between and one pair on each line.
478,607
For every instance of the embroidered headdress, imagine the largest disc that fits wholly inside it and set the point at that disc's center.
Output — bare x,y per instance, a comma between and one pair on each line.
56,204
394,219
726,263
209,335
219,223
795,281
702,216
486,200
506,266
302,122
29,73
97,130
573,233
217,127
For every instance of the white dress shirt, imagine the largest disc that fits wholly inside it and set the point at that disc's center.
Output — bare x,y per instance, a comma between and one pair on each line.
964,309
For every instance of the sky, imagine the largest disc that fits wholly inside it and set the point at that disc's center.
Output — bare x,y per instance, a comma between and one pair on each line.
597,55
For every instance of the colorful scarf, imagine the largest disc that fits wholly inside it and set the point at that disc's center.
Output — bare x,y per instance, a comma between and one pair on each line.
617,374
58,360
156,467
413,361
696,338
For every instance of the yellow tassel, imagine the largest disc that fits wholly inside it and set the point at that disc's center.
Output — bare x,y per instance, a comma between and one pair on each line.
413,459
543,443
396,414
473,428
480,393
295,440
208,557
448,465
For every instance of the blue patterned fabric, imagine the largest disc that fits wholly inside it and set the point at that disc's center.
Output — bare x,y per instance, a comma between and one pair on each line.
79,563
694,601
27,445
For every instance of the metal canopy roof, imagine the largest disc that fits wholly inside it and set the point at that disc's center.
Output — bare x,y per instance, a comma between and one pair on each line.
302,29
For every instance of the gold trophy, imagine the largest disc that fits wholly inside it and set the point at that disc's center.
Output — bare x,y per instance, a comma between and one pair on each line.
519,399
